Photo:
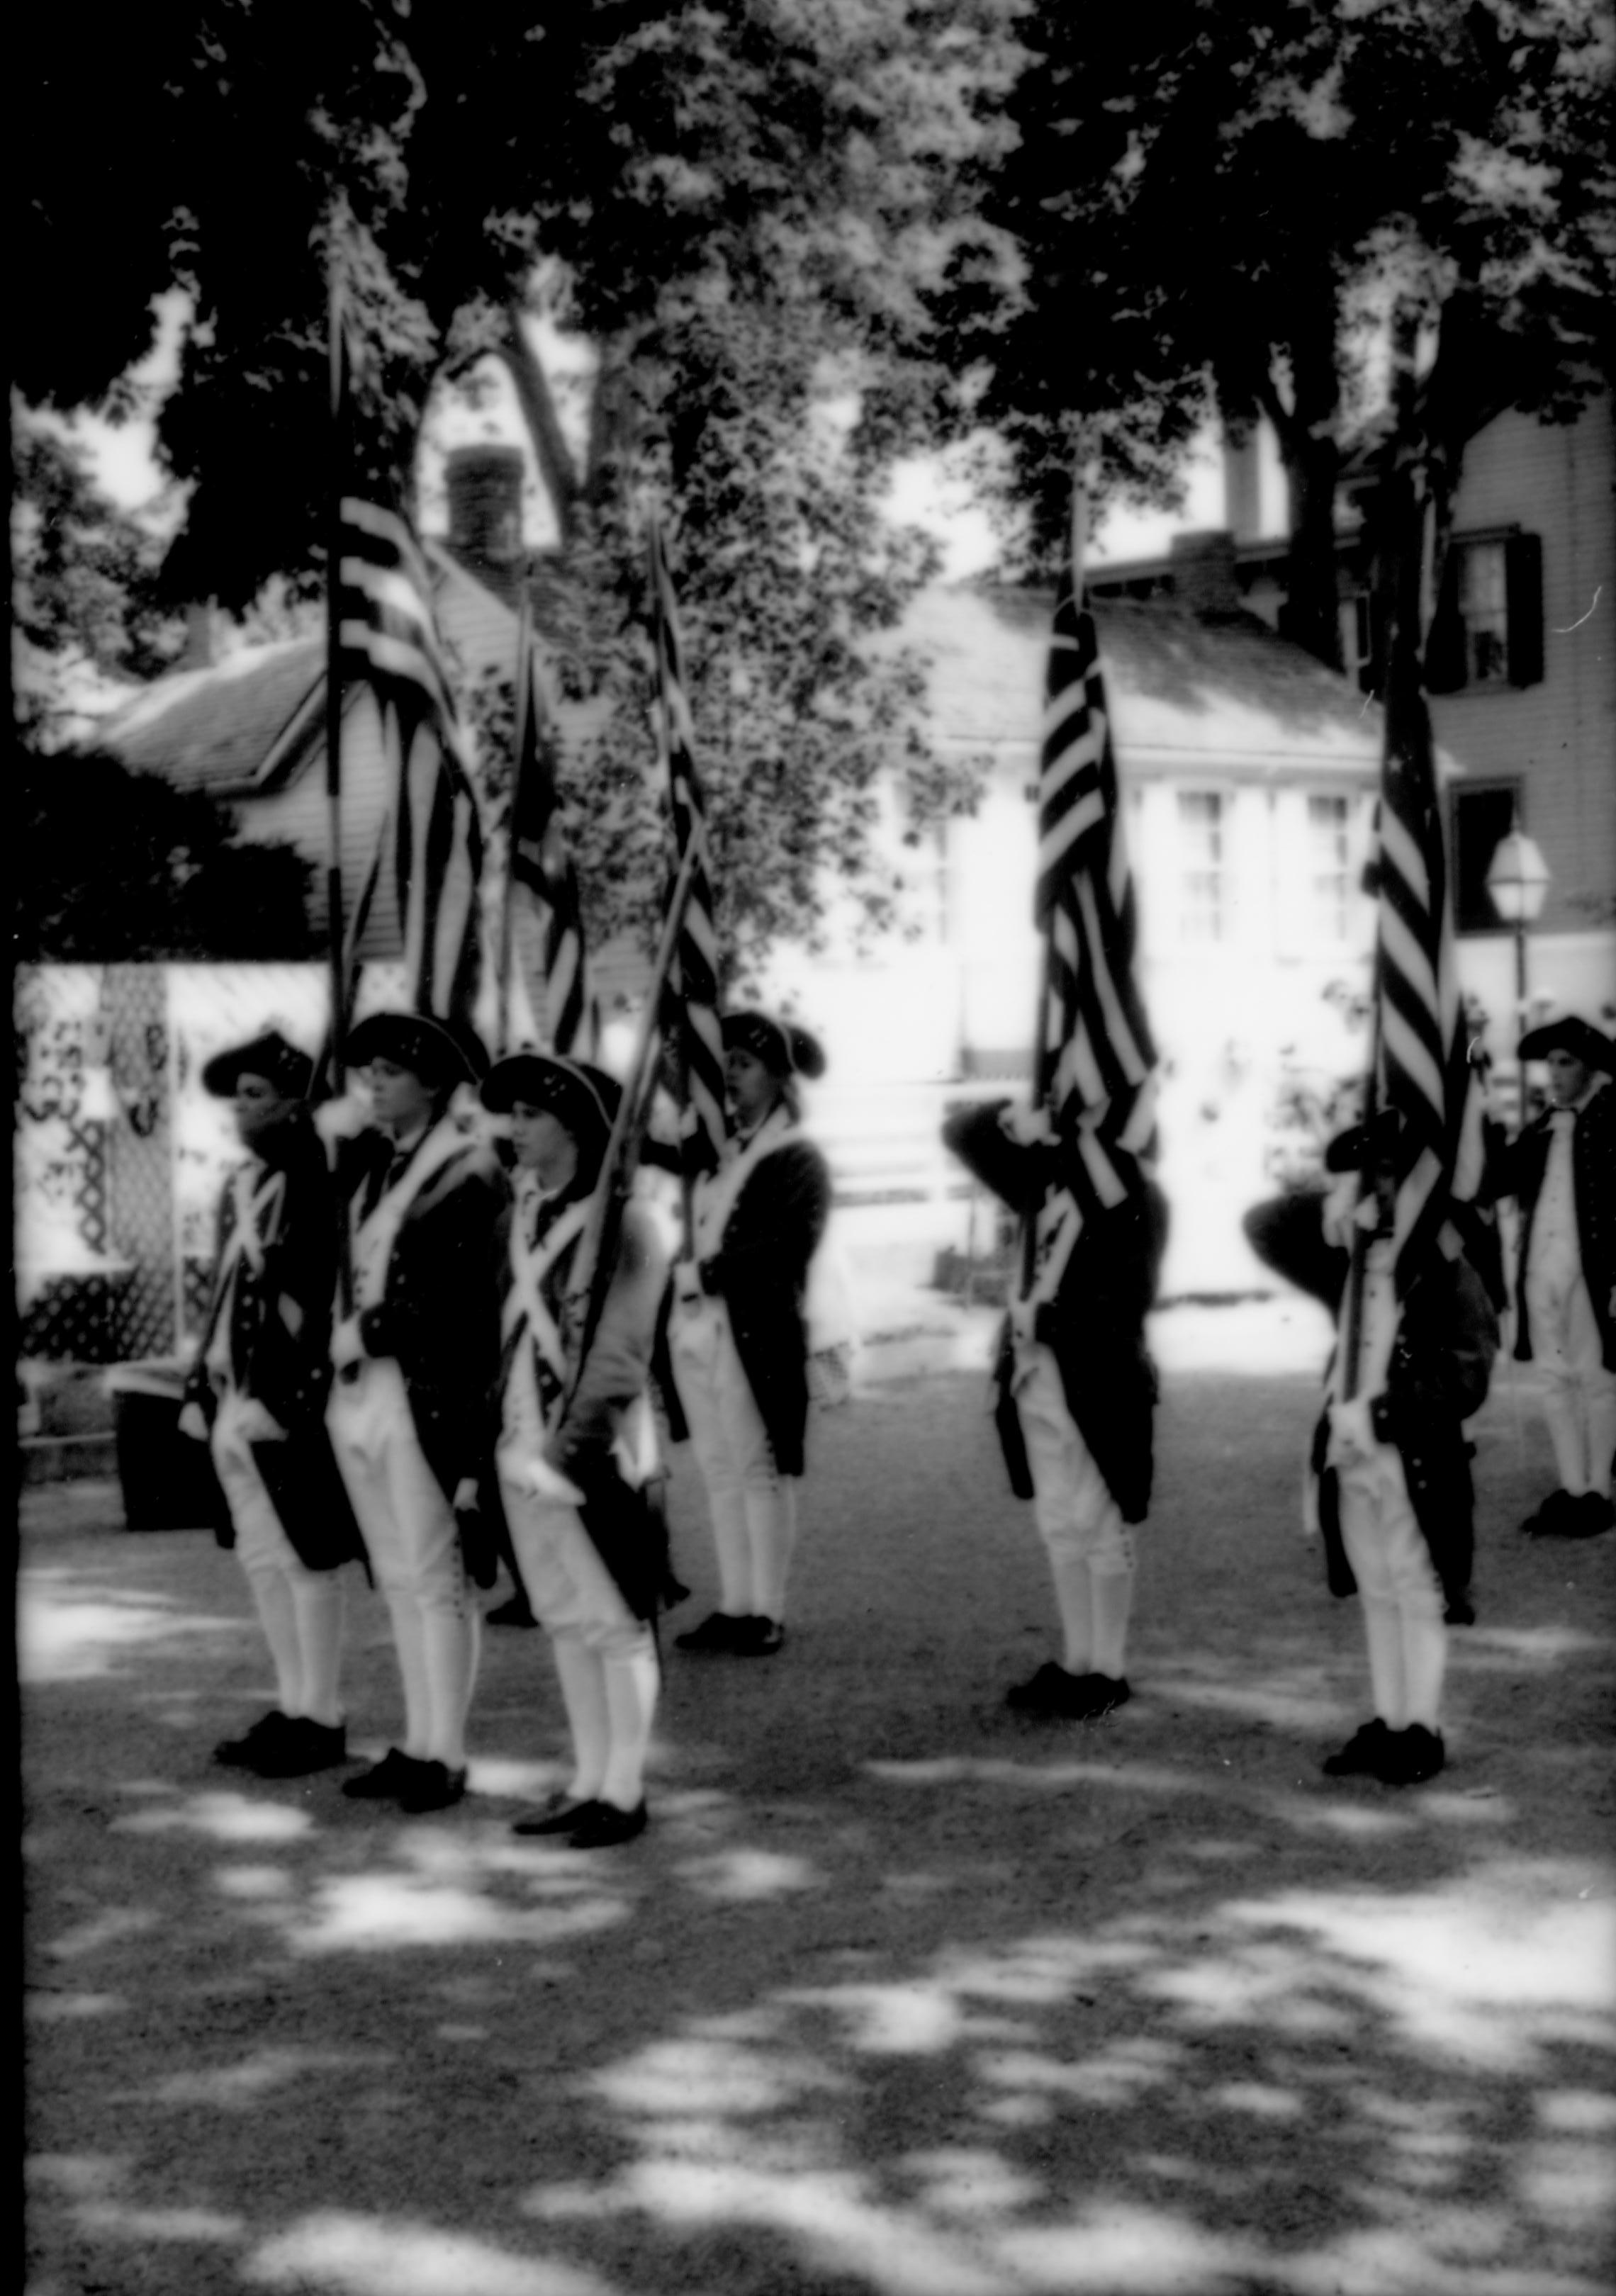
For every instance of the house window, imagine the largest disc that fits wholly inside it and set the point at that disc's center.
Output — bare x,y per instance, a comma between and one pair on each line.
1481,818
1201,886
1488,628
1484,611
1329,872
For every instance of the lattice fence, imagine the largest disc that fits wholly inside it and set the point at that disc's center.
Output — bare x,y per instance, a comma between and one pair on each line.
119,1152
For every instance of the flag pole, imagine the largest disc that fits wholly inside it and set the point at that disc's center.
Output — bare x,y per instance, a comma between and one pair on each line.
338,443
687,1187
1403,694
596,1250
521,721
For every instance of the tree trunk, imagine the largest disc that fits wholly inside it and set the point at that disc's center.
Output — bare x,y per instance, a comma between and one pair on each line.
1310,452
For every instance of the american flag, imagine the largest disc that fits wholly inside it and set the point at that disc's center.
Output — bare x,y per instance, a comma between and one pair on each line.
1422,1068
388,639
691,1018
542,868
349,977
1094,1062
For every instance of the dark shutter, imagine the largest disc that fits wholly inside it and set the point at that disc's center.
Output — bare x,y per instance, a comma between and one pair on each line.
1523,589
1445,648
1481,818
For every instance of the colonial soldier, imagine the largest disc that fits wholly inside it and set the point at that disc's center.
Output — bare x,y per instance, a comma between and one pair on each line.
1395,1500
257,1392
1561,1171
1076,1390
577,1444
738,1338
416,1355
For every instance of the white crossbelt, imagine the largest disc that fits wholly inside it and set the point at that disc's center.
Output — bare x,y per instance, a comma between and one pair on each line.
1060,1223
258,1196
718,1193
373,1237
524,1302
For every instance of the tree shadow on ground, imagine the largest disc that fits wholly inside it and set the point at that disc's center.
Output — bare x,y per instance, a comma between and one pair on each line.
903,1995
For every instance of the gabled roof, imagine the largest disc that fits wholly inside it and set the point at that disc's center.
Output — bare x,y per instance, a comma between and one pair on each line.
236,729
1186,692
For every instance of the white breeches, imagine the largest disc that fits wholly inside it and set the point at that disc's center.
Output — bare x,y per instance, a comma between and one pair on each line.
398,1502
410,1535
299,1610
1579,1393
752,1505
260,1542
1398,1588
1075,1512
569,1587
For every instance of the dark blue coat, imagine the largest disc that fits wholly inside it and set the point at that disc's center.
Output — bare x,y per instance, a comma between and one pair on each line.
1094,1326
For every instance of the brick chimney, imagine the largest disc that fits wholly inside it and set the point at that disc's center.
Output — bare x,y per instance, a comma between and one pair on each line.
199,636
1203,572
485,487
1243,485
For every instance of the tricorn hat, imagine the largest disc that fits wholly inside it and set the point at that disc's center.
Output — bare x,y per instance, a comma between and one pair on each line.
1571,1035
582,1097
270,1056
784,1048
438,1055
1362,1146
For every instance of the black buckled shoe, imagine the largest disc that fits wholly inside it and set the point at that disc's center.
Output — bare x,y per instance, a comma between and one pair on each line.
718,1632
303,1747
758,1637
434,1786
247,1752
1414,1756
1594,1513
559,1815
1555,1518
1363,1755
1106,1692
1053,1691
384,1781
602,1825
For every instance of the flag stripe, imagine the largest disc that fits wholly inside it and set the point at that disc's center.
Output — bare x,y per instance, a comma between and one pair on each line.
1095,1057
387,640
542,868
1423,1071
691,1020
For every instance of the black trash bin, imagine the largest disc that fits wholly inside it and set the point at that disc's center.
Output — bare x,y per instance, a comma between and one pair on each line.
167,1478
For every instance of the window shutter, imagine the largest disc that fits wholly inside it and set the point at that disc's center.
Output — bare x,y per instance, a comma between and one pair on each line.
1445,650
1523,588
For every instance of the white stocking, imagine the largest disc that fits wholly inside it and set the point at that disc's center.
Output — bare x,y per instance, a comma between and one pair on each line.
771,1523
1425,1640
1114,1601
1074,1599
272,1597
319,1599
732,1549
1383,1633
409,1640
582,1676
453,1642
631,1683
1562,1409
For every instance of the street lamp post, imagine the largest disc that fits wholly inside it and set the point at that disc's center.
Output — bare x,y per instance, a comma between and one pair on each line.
1517,881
